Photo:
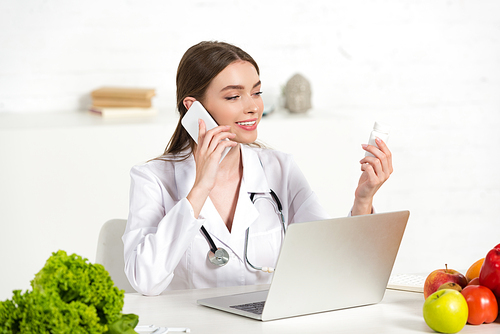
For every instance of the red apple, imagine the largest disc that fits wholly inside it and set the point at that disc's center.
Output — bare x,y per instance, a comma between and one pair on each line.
441,276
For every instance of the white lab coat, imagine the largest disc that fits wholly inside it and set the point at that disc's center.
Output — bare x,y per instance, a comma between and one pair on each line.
164,247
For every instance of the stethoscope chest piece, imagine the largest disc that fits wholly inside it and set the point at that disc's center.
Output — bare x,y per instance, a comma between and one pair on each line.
220,258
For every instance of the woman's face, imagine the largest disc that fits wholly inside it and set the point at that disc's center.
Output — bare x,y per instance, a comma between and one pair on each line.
234,98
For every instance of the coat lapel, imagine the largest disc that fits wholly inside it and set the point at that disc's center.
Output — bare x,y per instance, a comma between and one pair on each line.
253,181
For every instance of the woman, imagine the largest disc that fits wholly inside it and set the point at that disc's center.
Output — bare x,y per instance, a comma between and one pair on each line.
188,187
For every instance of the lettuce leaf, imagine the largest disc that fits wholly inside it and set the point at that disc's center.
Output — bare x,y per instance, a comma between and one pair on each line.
70,295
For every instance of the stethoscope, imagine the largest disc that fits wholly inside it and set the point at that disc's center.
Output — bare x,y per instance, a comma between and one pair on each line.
220,257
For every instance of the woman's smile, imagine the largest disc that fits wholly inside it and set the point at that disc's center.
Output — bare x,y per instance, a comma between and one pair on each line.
248,125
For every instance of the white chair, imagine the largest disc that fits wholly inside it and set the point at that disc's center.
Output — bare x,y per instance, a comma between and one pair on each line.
110,252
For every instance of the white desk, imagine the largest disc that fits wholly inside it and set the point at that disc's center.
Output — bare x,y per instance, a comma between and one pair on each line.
399,312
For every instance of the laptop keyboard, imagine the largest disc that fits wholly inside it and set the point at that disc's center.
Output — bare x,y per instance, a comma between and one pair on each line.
407,282
255,308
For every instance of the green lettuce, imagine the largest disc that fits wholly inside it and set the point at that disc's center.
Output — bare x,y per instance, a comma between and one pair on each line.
69,295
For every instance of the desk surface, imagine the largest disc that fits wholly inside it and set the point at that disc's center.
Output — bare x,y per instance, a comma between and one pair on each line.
399,312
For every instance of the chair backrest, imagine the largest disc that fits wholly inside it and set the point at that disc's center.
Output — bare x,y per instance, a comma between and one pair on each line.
110,252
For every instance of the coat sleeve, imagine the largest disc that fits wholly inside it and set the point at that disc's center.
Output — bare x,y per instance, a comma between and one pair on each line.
159,230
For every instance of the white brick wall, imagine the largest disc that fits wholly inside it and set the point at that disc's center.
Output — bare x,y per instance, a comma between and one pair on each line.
429,68
361,53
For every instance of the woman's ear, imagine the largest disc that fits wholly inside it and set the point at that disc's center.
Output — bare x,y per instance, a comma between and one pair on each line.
188,101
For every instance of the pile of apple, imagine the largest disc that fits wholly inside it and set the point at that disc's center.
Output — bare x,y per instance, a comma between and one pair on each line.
452,299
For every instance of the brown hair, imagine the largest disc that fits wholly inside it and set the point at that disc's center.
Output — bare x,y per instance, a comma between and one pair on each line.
198,67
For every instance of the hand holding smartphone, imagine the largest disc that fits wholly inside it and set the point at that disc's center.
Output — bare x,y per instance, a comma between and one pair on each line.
190,122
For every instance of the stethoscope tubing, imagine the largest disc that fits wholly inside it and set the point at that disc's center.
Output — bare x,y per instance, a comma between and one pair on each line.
220,257
213,248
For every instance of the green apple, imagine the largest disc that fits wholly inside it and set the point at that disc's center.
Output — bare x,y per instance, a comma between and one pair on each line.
446,311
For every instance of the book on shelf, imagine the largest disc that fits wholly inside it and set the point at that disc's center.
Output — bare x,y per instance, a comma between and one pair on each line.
122,102
109,102
110,112
123,93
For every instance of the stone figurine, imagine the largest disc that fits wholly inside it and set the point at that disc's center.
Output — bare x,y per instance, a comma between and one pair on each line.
298,94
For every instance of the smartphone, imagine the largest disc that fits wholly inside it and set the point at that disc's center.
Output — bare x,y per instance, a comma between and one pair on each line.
190,122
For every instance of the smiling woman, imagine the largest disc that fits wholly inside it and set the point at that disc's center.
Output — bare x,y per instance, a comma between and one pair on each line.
238,105
198,67
186,202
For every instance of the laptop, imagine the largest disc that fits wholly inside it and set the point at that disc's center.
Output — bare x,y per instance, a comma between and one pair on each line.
323,266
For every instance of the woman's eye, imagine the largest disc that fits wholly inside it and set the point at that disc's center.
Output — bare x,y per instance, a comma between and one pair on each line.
232,97
258,93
